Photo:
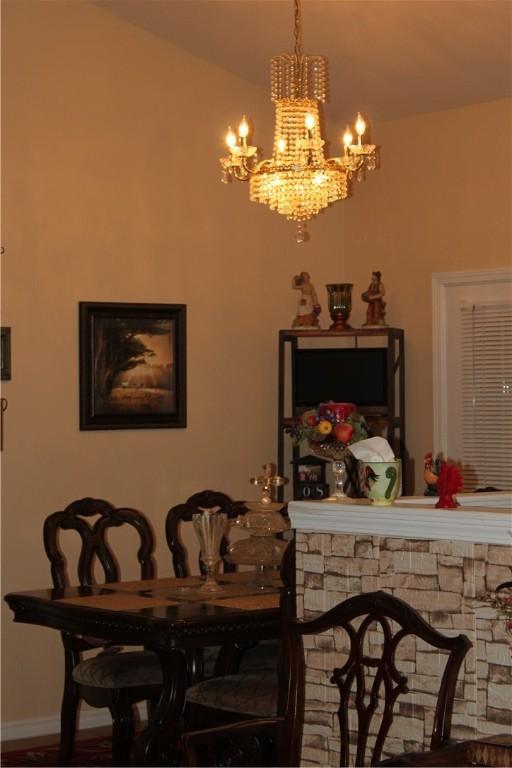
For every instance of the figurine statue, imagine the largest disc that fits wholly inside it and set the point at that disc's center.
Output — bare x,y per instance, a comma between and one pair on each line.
431,469
374,296
449,482
308,307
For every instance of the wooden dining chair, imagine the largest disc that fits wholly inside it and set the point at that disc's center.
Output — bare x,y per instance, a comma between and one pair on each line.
368,685
215,661
253,690
113,678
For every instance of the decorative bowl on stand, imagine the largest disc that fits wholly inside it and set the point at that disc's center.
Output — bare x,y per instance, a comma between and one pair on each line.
262,549
329,430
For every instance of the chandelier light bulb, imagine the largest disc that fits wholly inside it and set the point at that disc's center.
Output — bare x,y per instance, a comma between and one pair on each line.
360,125
310,121
281,144
243,128
347,137
230,138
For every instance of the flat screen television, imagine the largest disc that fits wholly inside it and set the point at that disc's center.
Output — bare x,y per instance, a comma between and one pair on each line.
343,375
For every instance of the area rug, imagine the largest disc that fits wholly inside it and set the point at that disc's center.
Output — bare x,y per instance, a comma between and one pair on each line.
88,752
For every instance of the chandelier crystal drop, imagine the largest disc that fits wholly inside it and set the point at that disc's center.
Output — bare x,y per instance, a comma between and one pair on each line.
298,181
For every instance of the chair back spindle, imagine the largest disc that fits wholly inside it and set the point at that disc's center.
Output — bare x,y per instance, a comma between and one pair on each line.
372,698
94,545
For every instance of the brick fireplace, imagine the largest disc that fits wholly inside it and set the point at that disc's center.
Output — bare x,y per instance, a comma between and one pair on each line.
442,562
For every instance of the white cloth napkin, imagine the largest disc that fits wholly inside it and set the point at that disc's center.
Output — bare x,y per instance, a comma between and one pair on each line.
372,449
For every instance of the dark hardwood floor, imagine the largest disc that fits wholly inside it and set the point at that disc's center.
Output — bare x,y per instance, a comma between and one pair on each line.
43,741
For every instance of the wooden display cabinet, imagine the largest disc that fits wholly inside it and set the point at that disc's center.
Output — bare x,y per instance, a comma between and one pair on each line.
385,417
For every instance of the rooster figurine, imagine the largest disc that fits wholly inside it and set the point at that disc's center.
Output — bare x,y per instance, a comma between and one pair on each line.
450,481
431,469
370,477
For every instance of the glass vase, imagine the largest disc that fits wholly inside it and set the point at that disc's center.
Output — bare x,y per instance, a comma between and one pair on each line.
339,296
209,526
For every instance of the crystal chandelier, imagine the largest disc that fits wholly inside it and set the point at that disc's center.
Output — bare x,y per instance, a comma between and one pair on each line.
298,181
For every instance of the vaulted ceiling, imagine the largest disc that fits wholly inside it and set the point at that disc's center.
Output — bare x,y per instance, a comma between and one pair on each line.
390,58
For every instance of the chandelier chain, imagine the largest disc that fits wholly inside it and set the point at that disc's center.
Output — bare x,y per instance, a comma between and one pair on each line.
298,31
298,51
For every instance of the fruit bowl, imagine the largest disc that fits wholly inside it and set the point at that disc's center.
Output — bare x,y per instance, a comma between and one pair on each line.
331,449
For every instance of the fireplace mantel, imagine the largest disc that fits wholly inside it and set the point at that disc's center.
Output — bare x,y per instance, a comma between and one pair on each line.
483,518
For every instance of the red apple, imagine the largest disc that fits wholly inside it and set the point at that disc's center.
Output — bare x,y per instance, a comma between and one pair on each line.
343,432
309,418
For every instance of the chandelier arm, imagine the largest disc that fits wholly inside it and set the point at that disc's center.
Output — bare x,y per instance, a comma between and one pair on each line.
243,172
342,162
348,165
239,175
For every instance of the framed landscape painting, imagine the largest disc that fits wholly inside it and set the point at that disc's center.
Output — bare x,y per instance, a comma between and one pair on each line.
132,365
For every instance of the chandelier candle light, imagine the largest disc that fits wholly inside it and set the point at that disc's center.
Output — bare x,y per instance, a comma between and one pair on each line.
298,181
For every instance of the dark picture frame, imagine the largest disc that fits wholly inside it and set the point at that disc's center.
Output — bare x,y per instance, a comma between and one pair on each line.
132,365
5,354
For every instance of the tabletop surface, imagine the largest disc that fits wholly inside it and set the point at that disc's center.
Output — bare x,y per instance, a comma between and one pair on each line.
174,606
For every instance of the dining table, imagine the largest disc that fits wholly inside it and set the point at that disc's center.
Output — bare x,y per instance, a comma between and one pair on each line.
169,616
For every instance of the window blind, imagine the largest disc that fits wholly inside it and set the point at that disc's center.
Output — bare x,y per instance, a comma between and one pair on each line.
486,337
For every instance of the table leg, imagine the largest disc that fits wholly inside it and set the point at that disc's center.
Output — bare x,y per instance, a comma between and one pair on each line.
163,729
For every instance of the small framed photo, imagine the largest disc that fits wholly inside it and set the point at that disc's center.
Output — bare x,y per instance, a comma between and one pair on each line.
5,354
132,365
309,478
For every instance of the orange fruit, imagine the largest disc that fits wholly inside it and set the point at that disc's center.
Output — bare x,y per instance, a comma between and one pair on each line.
324,427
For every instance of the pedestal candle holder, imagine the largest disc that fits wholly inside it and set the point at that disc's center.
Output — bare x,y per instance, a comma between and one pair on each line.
336,452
